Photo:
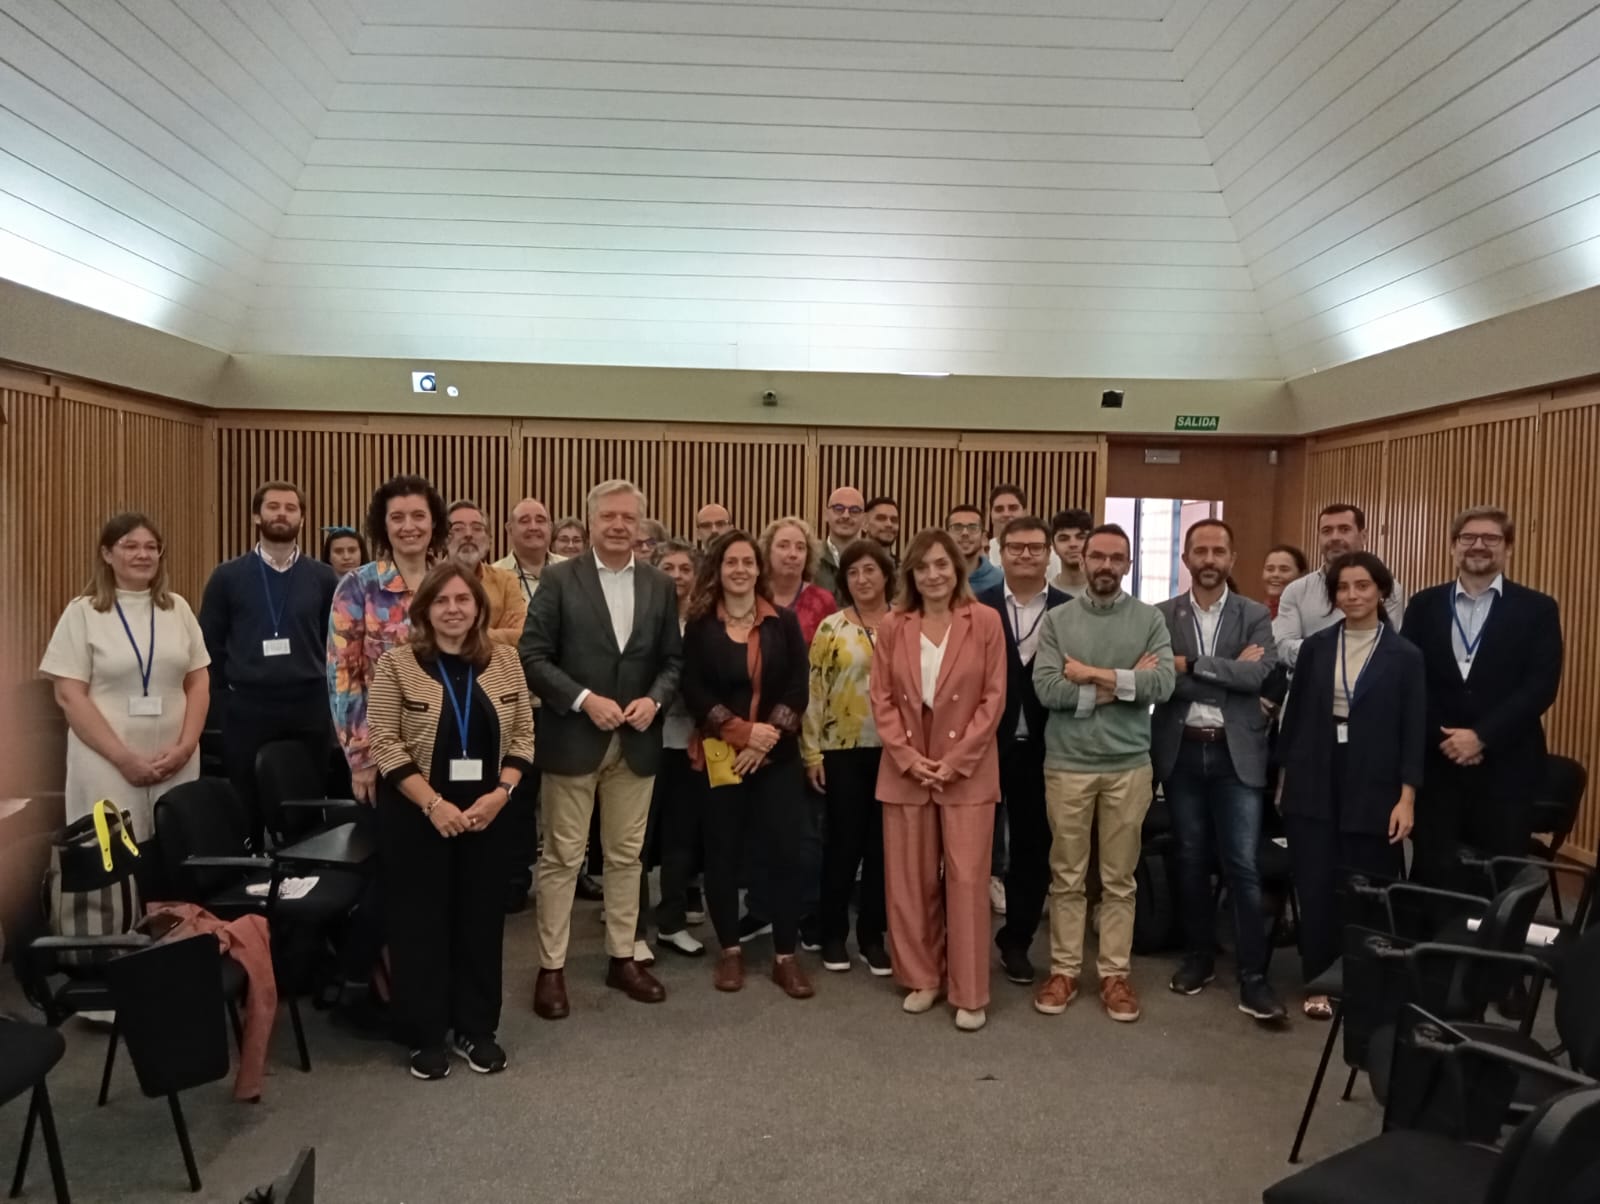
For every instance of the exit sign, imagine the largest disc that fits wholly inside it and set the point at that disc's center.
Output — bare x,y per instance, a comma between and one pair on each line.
1196,422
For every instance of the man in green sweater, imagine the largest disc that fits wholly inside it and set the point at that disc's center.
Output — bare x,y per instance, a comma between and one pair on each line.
1104,659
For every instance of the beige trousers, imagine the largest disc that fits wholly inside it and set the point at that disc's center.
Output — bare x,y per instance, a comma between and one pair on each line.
1074,801
566,803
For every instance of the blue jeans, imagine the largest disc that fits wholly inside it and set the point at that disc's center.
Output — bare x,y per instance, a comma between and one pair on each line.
1213,809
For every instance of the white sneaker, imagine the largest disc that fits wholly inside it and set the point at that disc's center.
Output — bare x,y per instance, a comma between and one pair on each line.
997,896
682,942
918,1002
971,1022
643,954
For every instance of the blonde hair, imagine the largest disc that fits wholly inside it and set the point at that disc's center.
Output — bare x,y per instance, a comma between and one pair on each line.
813,544
102,586
607,488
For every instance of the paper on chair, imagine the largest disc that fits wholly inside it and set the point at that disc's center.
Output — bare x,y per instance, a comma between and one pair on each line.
289,888
1538,934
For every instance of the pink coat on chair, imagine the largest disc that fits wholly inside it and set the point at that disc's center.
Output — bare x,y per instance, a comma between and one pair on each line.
968,701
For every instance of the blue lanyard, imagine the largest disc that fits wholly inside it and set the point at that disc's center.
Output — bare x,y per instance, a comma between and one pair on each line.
275,610
1344,666
145,666
462,707
1455,614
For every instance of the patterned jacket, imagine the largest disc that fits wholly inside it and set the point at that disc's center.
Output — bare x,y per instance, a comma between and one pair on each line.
408,701
371,614
839,713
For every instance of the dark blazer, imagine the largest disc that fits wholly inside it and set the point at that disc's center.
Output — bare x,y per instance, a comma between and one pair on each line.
568,646
1220,679
1515,675
713,695
1387,741
1020,694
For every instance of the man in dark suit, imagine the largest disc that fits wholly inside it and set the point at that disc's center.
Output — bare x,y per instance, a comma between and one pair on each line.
1493,654
1022,600
1208,747
602,651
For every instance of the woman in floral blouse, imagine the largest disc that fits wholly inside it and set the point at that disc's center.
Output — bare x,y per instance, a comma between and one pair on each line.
839,744
406,527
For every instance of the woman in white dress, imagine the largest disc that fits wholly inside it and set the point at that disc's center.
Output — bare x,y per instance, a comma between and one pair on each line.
129,665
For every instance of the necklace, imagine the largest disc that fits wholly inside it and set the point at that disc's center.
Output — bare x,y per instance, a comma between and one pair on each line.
744,620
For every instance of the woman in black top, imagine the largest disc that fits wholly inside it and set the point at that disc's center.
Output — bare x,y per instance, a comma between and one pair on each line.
745,680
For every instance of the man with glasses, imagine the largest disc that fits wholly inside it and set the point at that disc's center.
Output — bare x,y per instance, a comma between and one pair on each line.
965,524
1303,607
1022,597
469,543
843,520
1492,651
710,521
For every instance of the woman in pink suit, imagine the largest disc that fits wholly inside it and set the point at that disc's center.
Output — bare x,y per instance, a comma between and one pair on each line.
938,688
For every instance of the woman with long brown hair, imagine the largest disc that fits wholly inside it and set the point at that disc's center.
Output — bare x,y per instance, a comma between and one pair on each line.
451,732
129,665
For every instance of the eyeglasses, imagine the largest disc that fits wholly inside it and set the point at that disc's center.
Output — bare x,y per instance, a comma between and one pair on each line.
464,528
643,545
1026,549
1466,540
965,528
845,509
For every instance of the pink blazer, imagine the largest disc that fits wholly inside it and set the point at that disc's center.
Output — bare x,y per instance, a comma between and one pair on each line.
971,694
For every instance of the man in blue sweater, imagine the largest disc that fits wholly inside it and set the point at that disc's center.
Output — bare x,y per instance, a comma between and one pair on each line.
264,616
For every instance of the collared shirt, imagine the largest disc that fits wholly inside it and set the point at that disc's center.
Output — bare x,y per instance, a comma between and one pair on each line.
617,586
1471,614
1207,624
1304,610
294,555
529,582
1026,618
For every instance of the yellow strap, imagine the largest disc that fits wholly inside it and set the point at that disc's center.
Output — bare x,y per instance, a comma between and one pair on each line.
102,830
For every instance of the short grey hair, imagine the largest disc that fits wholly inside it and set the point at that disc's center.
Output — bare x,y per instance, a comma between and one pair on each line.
615,485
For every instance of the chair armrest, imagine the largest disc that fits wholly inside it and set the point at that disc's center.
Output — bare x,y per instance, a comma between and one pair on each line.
1388,890
327,804
1548,867
344,846
1472,953
59,944
223,863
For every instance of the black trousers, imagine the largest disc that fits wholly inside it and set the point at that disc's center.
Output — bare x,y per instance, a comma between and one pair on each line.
854,837
677,813
445,912
1028,872
770,808
251,719
1460,807
519,821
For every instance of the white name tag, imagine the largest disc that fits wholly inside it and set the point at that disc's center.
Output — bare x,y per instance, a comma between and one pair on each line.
1341,733
144,704
466,769
274,647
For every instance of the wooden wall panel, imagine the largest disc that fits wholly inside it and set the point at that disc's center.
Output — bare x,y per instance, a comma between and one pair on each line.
924,479
560,468
1353,474
1052,479
758,478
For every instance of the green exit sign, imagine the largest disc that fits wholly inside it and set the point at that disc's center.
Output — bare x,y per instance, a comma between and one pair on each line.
1196,422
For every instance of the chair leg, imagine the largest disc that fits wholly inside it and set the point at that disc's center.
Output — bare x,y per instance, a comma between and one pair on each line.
52,1144
26,1148
299,1034
183,1141
238,1028
111,1057
1316,1083
1350,1084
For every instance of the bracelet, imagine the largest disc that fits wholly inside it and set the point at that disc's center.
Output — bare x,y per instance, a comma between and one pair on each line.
508,787
427,811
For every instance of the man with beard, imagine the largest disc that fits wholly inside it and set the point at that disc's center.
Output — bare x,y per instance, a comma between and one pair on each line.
1104,659
469,543
264,616
843,519
965,524
1209,748
1492,653
883,525
1303,607
710,521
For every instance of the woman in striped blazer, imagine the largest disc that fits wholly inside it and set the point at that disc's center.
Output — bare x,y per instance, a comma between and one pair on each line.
451,733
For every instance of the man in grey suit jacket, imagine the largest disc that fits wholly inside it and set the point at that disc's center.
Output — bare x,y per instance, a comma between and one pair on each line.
1208,746
602,651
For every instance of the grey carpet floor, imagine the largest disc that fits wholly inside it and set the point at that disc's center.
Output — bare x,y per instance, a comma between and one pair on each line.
748,1097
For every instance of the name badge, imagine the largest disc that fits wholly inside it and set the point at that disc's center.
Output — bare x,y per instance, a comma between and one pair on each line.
275,647
466,769
1341,733
144,704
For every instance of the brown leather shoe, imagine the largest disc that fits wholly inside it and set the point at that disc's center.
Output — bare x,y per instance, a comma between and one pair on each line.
630,977
550,995
1119,1000
1053,996
786,972
729,972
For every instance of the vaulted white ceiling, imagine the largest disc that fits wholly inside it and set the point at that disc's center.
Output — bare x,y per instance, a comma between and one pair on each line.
1217,189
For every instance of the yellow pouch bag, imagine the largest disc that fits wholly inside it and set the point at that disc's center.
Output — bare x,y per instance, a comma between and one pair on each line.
719,762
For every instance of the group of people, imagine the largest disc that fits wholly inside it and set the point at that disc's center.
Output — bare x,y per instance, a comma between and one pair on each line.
821,721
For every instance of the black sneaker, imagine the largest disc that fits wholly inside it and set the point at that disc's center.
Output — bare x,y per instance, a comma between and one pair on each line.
1257,999
431,1063
1192,975
1017,967
482,1055
750,927
810,935
877,959
835,956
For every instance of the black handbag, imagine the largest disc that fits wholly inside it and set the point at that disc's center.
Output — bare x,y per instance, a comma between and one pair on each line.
90,888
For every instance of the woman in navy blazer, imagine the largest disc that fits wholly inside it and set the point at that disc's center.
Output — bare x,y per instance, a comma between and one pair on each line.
1352,748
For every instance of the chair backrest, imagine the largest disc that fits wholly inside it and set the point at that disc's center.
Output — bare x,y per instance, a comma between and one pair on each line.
1555,805
1503,928
1553,1157
202,818
1435,1086
1376,987
284,771
170,1013
1577,1010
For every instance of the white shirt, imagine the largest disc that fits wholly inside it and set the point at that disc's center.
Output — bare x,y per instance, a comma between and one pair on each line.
617,586
294,555
932,661
1207,623
529,581
1026,619
1050,574
1304,610
1471,614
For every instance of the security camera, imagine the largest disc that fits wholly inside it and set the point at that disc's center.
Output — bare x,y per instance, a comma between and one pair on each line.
1111,399
769,398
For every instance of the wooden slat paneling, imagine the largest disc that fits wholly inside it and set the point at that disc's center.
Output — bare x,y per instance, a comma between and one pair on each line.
757,479
560,469
1052,480
1345,474
924,480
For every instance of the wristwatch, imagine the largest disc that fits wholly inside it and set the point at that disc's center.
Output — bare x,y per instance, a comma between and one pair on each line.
509,787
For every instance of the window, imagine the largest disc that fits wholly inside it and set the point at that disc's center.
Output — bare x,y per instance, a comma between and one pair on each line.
1156,527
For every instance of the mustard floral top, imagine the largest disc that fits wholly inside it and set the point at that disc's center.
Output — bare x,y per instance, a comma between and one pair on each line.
839,713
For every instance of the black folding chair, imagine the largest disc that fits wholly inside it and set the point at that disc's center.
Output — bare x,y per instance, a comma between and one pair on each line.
292,789
1553,811
298,1185
28,1052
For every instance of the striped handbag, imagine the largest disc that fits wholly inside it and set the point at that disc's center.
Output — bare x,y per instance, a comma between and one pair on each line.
90,887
